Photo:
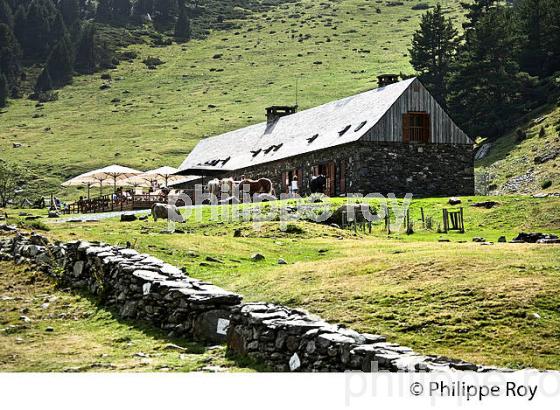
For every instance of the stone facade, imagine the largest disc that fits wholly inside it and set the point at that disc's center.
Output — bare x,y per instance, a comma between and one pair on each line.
141,287
376,167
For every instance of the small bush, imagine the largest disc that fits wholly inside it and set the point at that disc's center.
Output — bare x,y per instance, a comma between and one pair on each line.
35,225
129,55
294,229
546,184
153,62
46,96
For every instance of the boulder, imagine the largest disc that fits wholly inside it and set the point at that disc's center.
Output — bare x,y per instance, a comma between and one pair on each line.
485,204
53,214
533,237
257,257
128,218
351,212
454,201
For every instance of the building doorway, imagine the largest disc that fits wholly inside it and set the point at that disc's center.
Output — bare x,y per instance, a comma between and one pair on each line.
327,169
288,178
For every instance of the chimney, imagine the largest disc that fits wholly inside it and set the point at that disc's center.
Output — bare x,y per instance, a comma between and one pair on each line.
277,111
387,79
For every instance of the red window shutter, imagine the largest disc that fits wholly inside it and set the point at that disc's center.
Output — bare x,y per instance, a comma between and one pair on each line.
342,181
427,128
285,182
406,128
331,175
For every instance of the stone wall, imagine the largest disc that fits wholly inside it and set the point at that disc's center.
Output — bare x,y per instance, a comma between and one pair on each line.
141,287
374,167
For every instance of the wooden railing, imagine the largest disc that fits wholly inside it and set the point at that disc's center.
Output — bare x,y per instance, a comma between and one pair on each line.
109,203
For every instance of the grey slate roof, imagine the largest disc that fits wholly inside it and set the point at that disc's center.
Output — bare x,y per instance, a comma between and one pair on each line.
289,136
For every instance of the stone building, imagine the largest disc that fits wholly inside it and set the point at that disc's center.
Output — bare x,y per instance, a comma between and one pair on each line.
393,139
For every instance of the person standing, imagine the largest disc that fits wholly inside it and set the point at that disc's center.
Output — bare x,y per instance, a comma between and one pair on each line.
294,185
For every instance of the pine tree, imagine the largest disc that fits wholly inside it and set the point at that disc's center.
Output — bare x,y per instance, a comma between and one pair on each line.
44,82
183,24
433,47
3,90
58,29
70,10
539,23
6,15
10,57
486,83
86,51
121,10
20,17
60,63
104,11
37,31
165,12
143,7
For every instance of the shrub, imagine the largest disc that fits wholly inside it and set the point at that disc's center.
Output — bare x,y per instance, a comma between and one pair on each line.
420,6
546,184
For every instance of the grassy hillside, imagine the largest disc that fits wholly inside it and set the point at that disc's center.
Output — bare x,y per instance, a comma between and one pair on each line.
462,299
149,118
45,329
527,160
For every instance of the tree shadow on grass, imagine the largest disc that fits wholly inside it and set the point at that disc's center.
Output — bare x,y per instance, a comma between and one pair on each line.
151,331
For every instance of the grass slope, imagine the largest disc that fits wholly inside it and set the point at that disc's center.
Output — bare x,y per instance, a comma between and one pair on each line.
460,299
517,165
150,118
84,337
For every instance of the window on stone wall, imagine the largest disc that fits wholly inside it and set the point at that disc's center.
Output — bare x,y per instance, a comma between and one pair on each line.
416,127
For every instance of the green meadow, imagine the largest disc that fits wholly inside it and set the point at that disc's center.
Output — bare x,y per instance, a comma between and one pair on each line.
439,293
148,118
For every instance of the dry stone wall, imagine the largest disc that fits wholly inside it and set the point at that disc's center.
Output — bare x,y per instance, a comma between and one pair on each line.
141,287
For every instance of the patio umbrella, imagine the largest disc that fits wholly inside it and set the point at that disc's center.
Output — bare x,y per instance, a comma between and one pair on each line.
82,180
115,172
163,174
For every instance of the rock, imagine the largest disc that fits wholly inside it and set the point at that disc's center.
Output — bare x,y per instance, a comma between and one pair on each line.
454,201
257,257
351,212
487,243
281,261
16,145
212,259
482,151
53,214
485,204
549,240
478,239
502,239
128,218
49,329
25,319
237,233
443,240
534,237
535,315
